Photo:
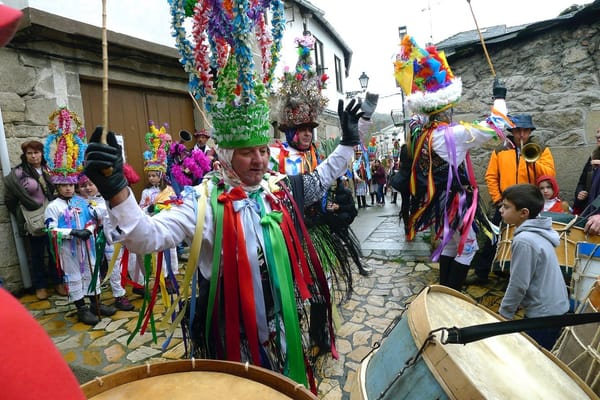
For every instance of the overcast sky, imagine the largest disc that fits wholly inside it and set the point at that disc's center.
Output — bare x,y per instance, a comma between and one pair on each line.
369,27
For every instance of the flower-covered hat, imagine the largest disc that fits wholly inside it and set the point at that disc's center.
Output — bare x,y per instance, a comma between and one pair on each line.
155,157
223,33
65,146
300,93
425,77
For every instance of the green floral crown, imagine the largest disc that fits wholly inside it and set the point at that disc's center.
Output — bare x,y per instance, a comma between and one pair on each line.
237,124
223,36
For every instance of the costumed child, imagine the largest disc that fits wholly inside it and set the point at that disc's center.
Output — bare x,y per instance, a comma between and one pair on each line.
89,191
549,188
442,180
158,195
362,176
70,219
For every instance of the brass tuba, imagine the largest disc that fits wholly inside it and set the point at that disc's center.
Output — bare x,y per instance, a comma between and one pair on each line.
531,152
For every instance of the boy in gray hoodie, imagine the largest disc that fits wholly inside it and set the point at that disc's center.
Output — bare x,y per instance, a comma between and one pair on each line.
536,283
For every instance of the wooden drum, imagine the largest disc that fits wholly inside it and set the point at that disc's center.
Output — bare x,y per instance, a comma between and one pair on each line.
195,379
566,252
579,346
508,366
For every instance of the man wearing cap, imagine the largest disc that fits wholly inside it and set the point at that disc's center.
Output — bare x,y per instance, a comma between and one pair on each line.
508,166
202,137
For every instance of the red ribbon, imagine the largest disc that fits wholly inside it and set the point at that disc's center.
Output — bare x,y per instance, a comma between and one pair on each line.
237,282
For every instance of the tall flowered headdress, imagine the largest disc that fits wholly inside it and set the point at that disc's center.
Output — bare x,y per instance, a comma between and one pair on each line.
300,92
425,77
65,146
222,34
155,157
372,148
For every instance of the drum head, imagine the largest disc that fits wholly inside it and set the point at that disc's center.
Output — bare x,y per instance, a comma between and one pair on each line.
501,367
193,379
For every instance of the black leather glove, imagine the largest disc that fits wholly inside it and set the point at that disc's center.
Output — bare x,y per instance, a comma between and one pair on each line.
82,234
498,90
99,159
349,120
369,105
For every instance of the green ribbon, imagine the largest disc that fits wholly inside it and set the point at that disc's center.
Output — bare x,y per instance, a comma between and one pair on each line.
278,257
100,246
218,210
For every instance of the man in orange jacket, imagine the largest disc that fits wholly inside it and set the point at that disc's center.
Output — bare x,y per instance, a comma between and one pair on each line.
507,166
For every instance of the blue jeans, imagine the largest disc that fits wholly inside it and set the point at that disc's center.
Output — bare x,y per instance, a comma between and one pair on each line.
42,276
380,198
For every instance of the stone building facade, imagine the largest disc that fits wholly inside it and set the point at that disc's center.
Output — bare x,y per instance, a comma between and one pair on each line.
552,71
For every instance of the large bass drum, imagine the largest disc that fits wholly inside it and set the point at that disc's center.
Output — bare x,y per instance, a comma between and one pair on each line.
195,379
501,367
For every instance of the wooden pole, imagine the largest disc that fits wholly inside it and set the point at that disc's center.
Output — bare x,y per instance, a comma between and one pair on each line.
104,76
487,56
200,110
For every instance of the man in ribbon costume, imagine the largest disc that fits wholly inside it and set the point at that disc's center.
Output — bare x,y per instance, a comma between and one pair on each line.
442,178
301,102
255,279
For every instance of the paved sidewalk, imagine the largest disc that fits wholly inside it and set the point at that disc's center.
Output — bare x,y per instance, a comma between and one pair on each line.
400,271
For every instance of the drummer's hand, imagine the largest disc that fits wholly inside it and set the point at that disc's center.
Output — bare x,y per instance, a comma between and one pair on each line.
592,226
582,195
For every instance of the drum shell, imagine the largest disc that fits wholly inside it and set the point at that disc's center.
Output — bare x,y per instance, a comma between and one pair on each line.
587,270
579,346
521,369
566,252
171,379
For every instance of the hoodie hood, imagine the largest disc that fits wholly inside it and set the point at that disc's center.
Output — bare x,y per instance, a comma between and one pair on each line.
541,226
552,181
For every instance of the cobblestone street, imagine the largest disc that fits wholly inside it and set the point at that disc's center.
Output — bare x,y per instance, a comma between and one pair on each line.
400,271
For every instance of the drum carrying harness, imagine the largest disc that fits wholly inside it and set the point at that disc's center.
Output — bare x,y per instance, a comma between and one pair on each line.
477,332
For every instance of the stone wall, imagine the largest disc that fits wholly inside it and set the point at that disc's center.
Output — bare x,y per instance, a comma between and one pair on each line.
553,75
40,70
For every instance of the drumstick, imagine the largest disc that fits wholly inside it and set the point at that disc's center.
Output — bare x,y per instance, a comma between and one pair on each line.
106,171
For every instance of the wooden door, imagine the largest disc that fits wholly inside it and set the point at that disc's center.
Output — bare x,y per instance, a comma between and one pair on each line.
130,110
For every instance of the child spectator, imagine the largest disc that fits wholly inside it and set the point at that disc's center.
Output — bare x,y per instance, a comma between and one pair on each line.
549,188
536,283
89,191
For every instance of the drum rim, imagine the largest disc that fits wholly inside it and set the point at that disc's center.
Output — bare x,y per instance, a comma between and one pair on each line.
419,328
271,379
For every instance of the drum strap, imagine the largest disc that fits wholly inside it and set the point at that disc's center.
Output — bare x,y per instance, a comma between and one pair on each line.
483,331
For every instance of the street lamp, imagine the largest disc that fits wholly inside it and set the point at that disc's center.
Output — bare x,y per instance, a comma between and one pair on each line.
363,79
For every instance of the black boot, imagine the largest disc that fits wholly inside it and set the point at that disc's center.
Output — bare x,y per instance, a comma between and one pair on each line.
364,200
87,317
101,309
458,275
445,262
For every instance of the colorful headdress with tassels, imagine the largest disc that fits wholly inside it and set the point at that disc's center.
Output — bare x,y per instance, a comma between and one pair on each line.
425,77
65,146
300,92
223,31
372,148
155,157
